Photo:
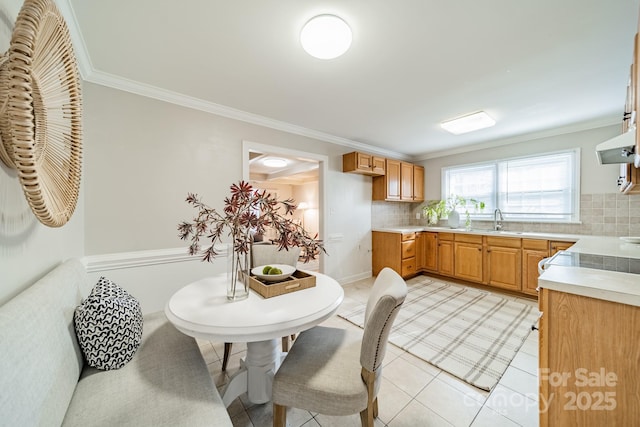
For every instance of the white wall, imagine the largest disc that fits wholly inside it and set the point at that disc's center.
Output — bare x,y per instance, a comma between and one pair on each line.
143,156
595,178
29,249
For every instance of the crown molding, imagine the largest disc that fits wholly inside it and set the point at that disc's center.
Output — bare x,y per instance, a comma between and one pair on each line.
142,89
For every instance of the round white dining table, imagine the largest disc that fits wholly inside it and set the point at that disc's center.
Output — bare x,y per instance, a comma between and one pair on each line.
201,310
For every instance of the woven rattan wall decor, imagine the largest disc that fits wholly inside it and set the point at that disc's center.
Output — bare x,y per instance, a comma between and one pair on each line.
41,112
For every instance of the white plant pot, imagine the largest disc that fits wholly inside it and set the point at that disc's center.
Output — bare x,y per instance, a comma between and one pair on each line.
453,219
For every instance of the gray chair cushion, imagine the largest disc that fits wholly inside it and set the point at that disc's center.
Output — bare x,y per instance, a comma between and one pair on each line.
166,384
322,373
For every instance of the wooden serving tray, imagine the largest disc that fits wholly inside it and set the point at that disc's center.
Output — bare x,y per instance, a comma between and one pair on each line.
297,281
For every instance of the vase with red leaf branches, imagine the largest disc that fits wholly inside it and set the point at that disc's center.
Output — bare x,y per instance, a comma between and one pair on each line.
246,212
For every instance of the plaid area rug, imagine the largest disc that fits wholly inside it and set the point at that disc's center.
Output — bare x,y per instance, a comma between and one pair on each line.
470,333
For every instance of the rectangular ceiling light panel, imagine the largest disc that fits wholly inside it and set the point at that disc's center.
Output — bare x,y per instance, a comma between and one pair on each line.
468,123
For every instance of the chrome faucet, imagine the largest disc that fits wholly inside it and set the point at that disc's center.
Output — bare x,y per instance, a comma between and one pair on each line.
497,223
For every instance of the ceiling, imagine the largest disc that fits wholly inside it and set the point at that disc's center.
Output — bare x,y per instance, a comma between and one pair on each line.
538,67
297,171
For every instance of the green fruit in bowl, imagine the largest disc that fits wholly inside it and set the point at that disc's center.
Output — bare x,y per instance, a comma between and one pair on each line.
267,269
275,271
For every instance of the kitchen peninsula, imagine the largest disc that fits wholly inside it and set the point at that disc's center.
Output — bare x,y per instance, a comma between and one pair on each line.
589,335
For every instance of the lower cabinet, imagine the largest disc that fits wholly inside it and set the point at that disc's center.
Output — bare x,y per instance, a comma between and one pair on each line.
503,261
509,263
468,257
588,363
445,254
394,250
533,251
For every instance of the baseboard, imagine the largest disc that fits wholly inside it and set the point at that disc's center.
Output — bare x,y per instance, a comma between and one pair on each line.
355,277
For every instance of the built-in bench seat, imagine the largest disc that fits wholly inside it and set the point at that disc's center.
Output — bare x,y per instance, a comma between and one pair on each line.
45,381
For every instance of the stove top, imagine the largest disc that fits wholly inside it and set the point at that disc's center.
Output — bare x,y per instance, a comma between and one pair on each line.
597,262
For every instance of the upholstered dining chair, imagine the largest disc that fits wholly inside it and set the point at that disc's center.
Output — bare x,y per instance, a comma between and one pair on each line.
263,254
335,371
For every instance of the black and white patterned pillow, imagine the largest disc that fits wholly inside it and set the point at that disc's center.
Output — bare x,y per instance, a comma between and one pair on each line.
109,326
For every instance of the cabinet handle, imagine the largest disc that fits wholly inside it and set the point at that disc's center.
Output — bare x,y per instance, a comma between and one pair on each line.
481,249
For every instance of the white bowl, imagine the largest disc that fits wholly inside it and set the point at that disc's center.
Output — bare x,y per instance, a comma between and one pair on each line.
287,270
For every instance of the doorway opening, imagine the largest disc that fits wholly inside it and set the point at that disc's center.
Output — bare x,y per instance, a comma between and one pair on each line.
293,174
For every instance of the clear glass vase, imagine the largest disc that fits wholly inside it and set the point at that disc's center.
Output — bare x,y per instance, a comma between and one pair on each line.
237,274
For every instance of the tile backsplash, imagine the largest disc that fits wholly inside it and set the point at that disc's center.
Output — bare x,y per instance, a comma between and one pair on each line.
608,214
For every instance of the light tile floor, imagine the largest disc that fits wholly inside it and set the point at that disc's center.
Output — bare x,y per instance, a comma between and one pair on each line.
413,392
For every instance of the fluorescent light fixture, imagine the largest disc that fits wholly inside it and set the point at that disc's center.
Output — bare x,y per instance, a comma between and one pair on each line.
326,37
468,123
274,162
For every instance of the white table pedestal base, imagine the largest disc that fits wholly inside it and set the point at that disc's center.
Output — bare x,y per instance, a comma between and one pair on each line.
255,376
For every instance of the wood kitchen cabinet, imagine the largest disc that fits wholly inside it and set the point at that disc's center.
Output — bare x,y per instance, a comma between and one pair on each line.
533,251
503,260
363,163
418,183
402,182
429,252
394,250
559,246
467,257
406,181
445,254
387,187
588,361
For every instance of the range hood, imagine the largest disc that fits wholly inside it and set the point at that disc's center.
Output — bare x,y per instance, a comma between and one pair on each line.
620,149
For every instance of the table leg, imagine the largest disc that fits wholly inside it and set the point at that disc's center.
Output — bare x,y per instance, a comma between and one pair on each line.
255,376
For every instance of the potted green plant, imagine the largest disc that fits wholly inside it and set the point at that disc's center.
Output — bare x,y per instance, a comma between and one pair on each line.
435,210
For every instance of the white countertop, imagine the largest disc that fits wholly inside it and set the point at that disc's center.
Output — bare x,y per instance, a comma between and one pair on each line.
505,233
602,284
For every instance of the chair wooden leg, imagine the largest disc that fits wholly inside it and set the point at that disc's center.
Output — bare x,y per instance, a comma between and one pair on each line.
285,344
225,358
367,415
375,408
279,415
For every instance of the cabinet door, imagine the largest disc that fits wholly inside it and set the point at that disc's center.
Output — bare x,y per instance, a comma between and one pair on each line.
530,260
363,162
430,251
418,183
392,178
468,261
378,165
504,267
420,237
560,246
406,181
445,257
386,251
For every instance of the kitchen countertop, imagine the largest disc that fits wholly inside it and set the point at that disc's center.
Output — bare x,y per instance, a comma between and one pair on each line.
606,285
484,232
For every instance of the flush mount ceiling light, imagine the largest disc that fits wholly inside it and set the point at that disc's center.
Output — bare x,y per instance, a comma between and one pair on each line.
468,123
326,37
274,163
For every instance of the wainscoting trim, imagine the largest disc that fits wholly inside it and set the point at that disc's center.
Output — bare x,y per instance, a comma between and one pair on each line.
122,260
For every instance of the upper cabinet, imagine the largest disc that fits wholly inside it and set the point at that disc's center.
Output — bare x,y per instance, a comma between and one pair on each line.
363,163
403,182
393,180
630,175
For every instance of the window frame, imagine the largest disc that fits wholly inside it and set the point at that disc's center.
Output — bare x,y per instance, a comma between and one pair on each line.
572,218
